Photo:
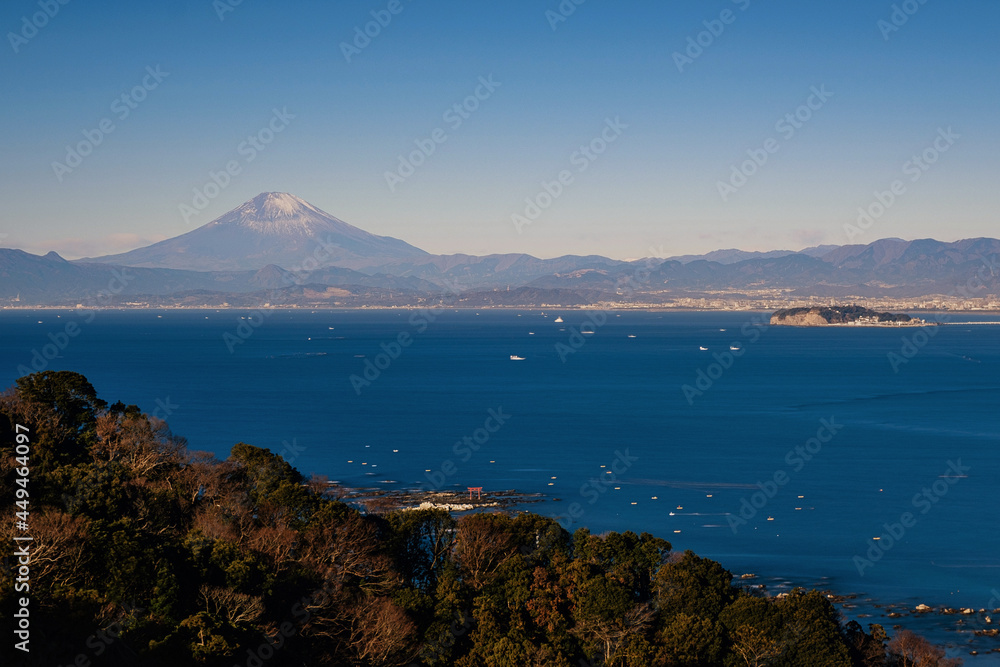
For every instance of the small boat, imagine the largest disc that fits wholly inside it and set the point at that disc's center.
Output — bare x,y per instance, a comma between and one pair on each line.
734,347
631,335
558,320
514,357
703,348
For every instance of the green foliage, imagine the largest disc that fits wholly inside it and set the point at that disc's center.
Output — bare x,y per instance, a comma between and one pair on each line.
275,488
199,562
60,408
812,631
690,641
420,542
695,586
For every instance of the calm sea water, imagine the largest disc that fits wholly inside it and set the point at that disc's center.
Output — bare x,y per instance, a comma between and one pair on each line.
611,400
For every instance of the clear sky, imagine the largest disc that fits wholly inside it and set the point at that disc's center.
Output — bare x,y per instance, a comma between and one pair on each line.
677,127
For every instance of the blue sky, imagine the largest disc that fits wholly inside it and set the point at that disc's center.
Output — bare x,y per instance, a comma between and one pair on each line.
655,188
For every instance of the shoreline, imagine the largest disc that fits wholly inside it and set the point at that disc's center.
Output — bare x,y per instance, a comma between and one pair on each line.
620,308
964,632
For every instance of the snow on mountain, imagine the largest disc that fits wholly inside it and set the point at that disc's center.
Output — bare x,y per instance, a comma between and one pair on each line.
278,213
272,228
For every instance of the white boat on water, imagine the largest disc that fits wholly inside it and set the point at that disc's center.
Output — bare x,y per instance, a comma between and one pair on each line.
703,348
734,347
558,320
514,357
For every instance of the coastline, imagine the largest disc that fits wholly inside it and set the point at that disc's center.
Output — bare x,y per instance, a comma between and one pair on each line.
619,308
963,632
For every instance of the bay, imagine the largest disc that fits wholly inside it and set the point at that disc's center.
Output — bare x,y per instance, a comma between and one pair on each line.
912,434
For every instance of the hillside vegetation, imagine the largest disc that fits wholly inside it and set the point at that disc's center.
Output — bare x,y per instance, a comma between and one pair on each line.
145,553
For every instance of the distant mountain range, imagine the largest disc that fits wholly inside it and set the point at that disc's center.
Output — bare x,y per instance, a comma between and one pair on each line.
279,249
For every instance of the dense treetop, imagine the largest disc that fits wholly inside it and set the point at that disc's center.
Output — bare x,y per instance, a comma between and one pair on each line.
148,554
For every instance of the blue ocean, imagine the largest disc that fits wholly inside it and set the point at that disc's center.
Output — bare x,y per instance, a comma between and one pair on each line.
780,452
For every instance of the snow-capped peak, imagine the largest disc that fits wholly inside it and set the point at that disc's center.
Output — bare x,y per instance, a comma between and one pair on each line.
278,213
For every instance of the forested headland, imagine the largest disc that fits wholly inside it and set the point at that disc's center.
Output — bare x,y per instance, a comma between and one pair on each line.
142,552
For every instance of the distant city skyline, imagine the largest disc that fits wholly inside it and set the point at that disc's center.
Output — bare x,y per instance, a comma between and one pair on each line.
546,128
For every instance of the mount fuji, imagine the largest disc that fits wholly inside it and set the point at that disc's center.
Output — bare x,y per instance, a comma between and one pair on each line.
272,228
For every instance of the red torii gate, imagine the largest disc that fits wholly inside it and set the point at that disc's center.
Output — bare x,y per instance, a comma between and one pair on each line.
478,490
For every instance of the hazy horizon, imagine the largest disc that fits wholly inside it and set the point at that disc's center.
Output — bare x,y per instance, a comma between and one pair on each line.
822,109
71,256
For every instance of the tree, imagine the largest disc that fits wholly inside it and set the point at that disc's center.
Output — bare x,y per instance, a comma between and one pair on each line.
275,488
865,650
911,650
695,586
61,409
689,641
605,612
484,542
754,647
811,631
631,559
420,542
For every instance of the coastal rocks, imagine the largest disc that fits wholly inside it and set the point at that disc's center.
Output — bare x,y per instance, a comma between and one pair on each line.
463,507
810,318
380,501
922,608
